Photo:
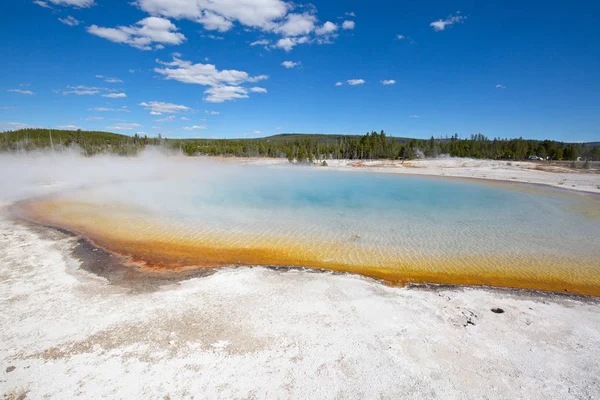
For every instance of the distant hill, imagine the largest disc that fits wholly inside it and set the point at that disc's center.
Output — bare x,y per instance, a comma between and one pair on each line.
322,138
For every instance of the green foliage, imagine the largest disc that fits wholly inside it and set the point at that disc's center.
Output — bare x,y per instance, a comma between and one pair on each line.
304,148
89,142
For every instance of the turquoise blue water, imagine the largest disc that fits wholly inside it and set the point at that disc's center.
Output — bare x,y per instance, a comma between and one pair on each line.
441,215
377,223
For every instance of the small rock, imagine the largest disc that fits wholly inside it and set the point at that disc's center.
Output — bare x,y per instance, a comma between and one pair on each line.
497,310
11,368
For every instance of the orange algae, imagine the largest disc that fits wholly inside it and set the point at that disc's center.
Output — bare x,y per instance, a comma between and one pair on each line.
147,243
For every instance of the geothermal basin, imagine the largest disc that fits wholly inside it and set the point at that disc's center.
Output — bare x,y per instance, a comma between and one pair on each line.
403,229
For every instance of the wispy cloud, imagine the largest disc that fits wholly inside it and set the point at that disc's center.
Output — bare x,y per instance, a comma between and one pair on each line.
124,126
15,125
71,21
193,128
83,90
501,86
27,92
115,95
354,82
388,82
261,42
159,107
106,109
111,80
42,4
212,112
290,64
441,24
168,118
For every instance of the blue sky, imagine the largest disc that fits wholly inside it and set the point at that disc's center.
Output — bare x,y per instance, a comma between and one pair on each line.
199,68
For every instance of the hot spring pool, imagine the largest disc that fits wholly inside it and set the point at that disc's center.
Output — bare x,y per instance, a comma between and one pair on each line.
399,228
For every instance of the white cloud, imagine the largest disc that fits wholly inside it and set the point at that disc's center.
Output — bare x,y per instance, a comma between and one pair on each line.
262,42
441,24
501,86
131,71
165,119
113,80
212,112
69,127
82,90
42,4
290,64
224,85
124,126
204,74
93,119
161,107
257,132
66,3
415,116
27,92
143,34
213,37
214,22
69,21
185,119
115,95
400,37
388,82
219,94
257,89
338,84
350,14
348,25
220,14
105,109
193,128
297,25
16,125
288,43
354,82
326,29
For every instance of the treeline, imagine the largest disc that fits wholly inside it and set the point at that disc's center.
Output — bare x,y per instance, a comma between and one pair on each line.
304,148
375,145
88,142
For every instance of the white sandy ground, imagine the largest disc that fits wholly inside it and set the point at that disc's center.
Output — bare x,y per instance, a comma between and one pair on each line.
262,334
515,171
